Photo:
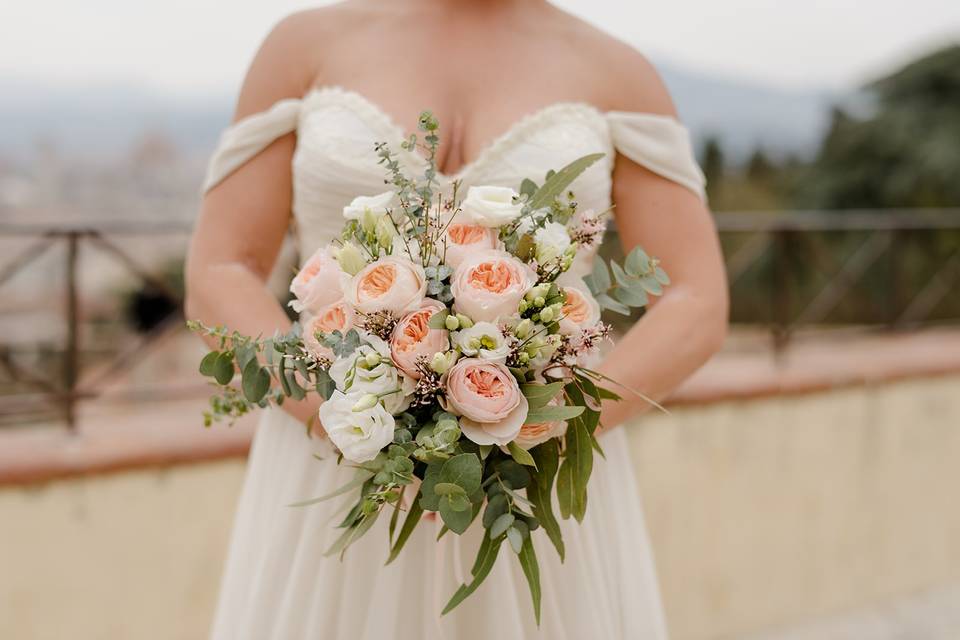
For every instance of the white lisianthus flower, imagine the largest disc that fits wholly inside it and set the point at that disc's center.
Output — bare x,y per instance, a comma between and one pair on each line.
375,205
357,429
369,370
483,340
491,206
551,240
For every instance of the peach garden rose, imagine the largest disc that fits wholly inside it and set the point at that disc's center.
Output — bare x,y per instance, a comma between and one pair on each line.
465,237
488,399
533,434
489,285
318,283
581,310
412,338
390,284
335,317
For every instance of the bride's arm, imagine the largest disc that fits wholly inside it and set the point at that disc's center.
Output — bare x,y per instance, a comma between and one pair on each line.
244,219
688,324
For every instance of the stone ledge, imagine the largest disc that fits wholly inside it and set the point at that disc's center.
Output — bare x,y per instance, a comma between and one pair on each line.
115,438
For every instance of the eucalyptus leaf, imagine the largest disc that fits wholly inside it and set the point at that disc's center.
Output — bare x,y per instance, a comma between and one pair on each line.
500,525
455,514
207,365
551,413
600,275
637,262
521,455
538,395
531,570
255,381
409,524
464,470
486,558
558,182
223,368
547,457
515,538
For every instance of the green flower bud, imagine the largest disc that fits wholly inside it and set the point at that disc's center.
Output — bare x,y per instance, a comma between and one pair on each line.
546,315
440,362
385,232
523,357
372,359
368,221
465,322
368,401
523,328
539,301
350,258
523,306
452,323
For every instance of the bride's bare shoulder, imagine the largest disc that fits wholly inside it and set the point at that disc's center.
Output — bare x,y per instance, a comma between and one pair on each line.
291,56
625,79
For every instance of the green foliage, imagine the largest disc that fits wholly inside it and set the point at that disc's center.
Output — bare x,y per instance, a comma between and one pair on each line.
905,154
540,491
640,277
557,183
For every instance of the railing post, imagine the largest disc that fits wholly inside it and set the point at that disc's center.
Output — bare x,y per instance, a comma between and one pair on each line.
71,359
781,295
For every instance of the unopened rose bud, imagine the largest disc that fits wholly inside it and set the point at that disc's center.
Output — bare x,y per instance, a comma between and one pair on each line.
372,359
452,323
440,363
523,328
368,401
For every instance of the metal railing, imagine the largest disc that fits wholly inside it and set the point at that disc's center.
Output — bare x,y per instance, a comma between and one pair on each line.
787,270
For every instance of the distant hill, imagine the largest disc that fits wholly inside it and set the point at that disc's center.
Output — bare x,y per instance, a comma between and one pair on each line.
104,121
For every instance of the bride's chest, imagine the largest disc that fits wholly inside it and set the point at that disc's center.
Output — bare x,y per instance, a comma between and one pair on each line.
336,159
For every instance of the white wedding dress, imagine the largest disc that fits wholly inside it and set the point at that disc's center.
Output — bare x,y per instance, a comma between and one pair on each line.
277,583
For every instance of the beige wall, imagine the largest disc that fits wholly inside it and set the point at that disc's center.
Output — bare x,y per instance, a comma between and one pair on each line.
761,513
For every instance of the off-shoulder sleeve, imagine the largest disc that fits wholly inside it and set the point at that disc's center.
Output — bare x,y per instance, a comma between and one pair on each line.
248,137
659,143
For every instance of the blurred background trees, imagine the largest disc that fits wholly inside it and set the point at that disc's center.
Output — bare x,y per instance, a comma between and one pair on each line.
895,146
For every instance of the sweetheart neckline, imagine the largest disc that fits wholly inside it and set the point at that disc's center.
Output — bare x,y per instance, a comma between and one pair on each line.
488,149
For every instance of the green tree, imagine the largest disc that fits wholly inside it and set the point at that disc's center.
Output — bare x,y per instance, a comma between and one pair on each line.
714,166
906,153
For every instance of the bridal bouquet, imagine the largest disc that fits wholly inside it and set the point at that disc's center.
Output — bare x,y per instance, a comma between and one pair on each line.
453,351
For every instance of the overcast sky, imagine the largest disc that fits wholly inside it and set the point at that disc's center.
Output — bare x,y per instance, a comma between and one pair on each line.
185,46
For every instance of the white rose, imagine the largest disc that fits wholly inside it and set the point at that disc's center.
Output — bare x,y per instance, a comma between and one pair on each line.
393,284
489,285
491,206
376,205
551,240
483,340
370,370
581,310
359,435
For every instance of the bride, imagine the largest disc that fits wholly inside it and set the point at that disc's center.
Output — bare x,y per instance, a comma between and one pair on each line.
519,87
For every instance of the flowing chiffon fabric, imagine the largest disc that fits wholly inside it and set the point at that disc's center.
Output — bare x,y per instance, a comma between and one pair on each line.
277,584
